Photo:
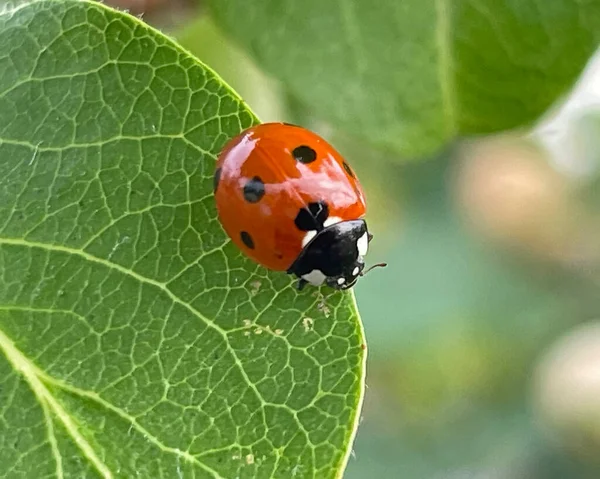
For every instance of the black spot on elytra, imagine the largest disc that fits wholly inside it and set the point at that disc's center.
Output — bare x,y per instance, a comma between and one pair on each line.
254,190
304,154
216,179
348,169
312,217
247,239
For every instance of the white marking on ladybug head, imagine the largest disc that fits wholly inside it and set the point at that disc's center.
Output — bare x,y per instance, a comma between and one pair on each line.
331,221
308,236
315,277
355,271
363,244
341,281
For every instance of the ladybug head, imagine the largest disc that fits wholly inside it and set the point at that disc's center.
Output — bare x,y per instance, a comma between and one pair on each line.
334,256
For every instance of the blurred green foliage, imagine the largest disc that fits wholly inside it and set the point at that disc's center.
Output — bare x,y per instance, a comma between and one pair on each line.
411,75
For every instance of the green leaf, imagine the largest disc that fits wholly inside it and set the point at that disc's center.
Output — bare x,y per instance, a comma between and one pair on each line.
411,75
135,339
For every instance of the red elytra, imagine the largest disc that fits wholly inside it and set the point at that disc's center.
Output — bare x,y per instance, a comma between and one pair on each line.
291,203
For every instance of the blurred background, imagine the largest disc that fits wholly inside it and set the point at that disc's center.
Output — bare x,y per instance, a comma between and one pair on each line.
484,331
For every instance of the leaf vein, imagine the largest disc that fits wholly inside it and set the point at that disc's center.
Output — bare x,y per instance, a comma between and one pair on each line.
141,279
30,373
52,440
445,64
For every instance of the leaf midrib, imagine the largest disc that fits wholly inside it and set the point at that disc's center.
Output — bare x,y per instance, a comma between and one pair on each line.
443,30
22,365
42,378
92,396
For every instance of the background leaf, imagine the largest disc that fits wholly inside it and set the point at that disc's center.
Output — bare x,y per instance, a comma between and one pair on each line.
136,340
411,75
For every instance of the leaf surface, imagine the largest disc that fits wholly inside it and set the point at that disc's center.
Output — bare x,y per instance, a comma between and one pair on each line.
411,75
135,339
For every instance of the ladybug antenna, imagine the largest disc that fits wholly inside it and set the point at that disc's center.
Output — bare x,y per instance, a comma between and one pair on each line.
378,265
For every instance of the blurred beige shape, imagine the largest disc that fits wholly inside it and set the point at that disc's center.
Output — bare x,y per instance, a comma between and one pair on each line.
508,192
566,392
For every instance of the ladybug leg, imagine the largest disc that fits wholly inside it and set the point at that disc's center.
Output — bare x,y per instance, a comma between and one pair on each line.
301,283
370,237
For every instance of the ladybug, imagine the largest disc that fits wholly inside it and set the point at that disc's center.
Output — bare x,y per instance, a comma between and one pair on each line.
291,203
